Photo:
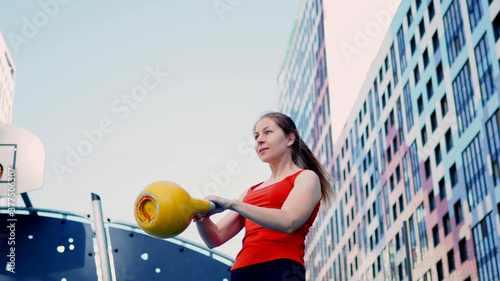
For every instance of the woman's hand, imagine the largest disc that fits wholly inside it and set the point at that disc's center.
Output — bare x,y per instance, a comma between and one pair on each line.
221,204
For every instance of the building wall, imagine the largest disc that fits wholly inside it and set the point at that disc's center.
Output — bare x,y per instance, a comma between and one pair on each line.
418,156
7,82
303,82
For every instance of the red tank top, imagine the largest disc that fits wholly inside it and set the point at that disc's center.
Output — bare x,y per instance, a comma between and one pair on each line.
261,244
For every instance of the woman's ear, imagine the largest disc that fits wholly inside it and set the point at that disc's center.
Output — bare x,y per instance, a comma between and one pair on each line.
291,139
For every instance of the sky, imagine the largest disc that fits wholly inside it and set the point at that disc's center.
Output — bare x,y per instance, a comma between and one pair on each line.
126,93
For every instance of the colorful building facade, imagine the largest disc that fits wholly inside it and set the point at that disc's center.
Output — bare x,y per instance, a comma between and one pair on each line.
418,157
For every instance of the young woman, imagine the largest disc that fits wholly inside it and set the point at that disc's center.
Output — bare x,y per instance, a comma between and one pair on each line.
276,213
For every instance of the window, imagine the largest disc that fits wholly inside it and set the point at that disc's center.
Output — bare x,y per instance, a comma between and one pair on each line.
417,3
409,17
417,183
474,171
433,121
444,105
416,74
431,11
440,272
454,33
413,239
437,154
496,27
486,248
381,74
389,90
427,166
423,133
383,101
459,216
395,213
475,12
408,107
406,175
484,69
430,90
421,28
435,41
386,63
439,72
453,175
402,50
449,140
420,105
462,248
394,65
464,98
398,174
442,189
413,45
493,133
446,224
432,202
435,235
451,261
425,58
422,229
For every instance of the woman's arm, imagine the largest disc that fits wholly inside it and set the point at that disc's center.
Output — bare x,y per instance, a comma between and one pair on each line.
295,211
215,235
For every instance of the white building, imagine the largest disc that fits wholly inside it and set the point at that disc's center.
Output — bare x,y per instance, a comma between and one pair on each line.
7,82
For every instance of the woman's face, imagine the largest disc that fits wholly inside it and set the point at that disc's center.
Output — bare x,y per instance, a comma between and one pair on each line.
270,140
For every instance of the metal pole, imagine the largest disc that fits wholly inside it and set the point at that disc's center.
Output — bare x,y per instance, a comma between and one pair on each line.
102,241
407,246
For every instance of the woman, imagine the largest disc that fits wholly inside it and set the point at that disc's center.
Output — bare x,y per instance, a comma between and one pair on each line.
276,213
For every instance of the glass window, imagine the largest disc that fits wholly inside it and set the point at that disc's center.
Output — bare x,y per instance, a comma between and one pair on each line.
402,50
464,98
474,170
449,140
435,235
484,69
422,230
462,247
406,175
486,249
417,181
453,26
431,11
444,106
421,28
459,216
394,65
446,224
493,133
408,107
475,12
451,261
432,201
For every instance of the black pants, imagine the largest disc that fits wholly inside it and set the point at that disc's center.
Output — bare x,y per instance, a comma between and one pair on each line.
275,270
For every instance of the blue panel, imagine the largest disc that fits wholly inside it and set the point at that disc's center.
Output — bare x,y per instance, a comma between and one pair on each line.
141,257
46,249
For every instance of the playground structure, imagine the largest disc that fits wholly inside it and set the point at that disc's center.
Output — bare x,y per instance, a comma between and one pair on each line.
51,245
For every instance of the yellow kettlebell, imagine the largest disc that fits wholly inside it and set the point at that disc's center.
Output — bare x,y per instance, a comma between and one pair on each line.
164,209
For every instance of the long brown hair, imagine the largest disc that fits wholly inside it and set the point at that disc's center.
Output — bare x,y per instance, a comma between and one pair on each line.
303,157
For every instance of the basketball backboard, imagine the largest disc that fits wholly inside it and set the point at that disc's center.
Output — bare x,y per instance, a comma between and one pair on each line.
22,160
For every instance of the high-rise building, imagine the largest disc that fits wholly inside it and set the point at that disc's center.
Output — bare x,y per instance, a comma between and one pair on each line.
418,156
303,82
7,82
